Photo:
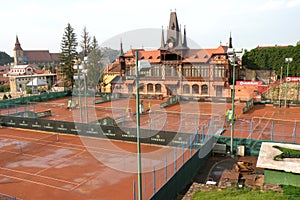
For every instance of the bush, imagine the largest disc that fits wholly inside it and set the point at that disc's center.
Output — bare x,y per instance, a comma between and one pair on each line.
5,97
4,88
28,91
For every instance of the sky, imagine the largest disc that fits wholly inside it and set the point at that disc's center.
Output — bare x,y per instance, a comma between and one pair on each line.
40,24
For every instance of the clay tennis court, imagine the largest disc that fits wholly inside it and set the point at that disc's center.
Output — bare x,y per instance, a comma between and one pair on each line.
35,165
91,168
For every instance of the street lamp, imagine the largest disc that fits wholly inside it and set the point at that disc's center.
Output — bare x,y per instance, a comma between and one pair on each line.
137,103
84,72
78,67
142,65
287,60
280,86
232,57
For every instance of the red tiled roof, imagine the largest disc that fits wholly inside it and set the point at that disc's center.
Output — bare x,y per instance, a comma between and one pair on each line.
39,55
154,56
55,56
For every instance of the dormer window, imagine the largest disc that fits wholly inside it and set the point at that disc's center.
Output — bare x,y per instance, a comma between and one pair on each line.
196,56
150,57
142,57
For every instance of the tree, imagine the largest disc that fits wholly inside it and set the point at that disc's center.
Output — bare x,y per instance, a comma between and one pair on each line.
274,58
85,44
94,75
68,54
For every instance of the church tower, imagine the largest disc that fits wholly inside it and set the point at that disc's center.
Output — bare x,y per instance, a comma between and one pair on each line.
18,53
173,31
230,41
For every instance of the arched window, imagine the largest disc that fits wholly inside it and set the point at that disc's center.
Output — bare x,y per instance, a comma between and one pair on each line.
186,89
149,87
204,89
158,88
195,89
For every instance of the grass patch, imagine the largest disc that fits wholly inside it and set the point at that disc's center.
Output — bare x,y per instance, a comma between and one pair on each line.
292,192
233,194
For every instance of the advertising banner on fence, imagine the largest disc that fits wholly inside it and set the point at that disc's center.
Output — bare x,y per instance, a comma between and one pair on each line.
292,79
249,83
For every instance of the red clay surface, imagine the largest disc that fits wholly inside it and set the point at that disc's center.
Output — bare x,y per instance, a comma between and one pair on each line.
80,168
85,168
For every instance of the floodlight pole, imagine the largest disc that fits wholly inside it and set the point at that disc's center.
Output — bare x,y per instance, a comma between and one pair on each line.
287,60
233,63
232,105
79,95
280,86
138,128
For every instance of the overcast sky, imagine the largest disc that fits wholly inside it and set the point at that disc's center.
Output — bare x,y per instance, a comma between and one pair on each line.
40,24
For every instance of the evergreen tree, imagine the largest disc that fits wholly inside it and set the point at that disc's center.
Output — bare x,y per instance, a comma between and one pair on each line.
94,75
68,54
85,44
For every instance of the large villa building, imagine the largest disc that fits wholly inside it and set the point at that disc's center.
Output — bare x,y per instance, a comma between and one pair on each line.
175,69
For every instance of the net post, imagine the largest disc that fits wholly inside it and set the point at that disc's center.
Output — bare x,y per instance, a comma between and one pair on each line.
175,160
294,132
154,180
251,129
191,145
272,131
166,169
134,191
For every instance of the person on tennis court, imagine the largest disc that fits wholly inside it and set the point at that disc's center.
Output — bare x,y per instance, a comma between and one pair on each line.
127,111
229,115
69,104
142,107
149,107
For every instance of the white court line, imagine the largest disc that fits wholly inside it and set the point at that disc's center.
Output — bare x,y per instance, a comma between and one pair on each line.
63,160
40,176
35,182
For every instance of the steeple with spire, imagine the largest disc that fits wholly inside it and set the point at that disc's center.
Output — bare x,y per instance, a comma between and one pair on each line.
122,60
173,31
162,42
18,53
184,39
230,41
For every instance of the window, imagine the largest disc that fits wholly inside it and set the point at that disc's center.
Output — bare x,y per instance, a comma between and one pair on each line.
171,71
156,71
195,89
149,87
219,71
196,72
204,89
205,71
187,72
130,88
186,89
157,87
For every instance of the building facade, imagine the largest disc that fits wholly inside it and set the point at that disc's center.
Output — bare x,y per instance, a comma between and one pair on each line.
20,75
175,69
37,57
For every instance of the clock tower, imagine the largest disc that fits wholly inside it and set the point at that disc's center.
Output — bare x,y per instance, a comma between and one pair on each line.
18,53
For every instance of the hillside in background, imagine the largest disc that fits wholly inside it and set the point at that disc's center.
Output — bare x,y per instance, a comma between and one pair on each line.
262,58
5,58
